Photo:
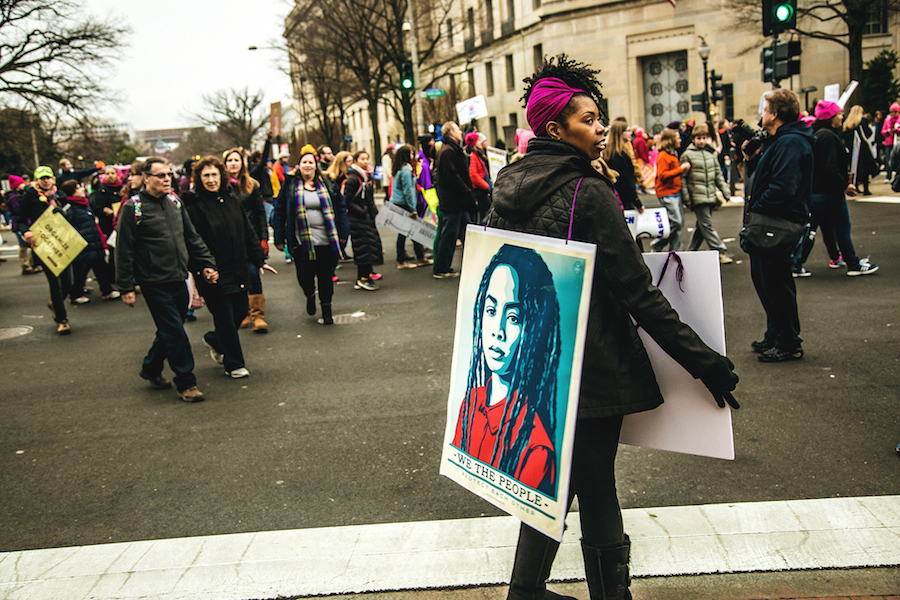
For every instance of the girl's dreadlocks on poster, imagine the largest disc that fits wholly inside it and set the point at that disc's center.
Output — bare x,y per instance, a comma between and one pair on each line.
573,73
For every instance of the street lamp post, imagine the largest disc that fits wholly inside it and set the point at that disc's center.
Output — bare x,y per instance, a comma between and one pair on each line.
410,27
806,92
704,50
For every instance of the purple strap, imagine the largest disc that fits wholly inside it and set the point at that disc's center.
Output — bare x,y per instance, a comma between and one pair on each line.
679,270
572,215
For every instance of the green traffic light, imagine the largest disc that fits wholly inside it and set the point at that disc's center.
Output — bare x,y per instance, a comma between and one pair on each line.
783,12
407,84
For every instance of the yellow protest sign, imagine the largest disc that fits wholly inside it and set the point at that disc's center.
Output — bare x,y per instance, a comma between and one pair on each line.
115,207
431,198
57,243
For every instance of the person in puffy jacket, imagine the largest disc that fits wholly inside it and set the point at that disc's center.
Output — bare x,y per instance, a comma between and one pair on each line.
93,257
702,181
479,173
536,195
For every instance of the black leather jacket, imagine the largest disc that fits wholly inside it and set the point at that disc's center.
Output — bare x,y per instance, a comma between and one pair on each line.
534,195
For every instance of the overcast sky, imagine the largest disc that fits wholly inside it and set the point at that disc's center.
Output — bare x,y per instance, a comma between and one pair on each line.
181,49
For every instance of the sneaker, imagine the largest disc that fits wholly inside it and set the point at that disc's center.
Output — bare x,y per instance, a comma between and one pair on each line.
288,260
448,275
365,283
375,276
216,356
80,300
864,268
776,354
192,394
62,328
837,264
406,265
112,295
422,262
762,345
239,373
159,382
724,259
800,272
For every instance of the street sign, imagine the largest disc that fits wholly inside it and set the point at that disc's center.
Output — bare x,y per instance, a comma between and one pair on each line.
434,93
348,139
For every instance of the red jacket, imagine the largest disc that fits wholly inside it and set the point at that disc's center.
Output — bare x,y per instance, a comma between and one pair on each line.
476,172
668,174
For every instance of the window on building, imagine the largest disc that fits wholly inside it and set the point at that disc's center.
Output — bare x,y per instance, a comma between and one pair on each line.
510,73
489,77
492,129
511,10
876,19
538,56
489,15
470,19
513,120
450,32
536,4
728,94
470,77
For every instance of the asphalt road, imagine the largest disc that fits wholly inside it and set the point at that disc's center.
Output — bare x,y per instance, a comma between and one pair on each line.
342,425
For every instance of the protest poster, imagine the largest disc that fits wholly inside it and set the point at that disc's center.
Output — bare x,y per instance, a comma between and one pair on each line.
431,202
496,161
514,390
398,219
57,243
473,108
689,420
652,224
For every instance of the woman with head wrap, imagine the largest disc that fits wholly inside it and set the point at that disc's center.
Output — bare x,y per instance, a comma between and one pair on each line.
554,191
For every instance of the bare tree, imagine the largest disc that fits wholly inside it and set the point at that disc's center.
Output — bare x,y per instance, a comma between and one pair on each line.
236,114
845,21
48,50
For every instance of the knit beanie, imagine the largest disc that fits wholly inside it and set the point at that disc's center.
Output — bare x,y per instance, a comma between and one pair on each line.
826,109
15,181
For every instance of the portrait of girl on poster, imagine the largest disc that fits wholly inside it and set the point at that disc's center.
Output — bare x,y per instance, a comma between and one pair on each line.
508,417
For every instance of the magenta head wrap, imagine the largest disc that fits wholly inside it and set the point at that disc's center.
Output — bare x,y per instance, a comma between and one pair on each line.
548,98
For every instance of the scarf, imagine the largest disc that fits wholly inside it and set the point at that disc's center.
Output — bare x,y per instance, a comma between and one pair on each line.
548,98
303,231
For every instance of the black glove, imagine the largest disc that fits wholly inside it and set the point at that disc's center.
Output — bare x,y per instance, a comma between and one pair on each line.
720,379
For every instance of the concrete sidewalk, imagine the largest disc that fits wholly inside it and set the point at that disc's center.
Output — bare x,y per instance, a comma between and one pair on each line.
678,553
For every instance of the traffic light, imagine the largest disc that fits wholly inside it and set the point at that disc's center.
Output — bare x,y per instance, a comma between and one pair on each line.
715,87
698,104
785,63
406,75
779,16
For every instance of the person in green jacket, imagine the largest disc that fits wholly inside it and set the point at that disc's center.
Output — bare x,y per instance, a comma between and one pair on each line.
700,187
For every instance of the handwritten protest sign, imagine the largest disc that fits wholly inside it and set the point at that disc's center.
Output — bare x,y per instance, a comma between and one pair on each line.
57,243
399,220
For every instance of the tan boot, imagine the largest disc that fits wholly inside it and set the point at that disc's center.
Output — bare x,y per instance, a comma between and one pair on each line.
258,313
246,322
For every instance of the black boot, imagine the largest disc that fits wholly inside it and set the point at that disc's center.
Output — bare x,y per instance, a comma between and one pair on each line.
327,319
606,569
534,557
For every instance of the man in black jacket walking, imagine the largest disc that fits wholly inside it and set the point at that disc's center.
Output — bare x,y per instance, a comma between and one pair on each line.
782,183
455,198
156,247
831,180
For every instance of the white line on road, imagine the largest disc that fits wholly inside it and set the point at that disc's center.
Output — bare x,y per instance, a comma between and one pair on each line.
685,540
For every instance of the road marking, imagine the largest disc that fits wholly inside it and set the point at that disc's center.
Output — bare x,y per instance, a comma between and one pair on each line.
683,540
878,199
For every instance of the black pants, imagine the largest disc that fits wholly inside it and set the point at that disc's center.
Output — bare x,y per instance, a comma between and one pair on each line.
59,288
308,271
80,272
228,311
775,287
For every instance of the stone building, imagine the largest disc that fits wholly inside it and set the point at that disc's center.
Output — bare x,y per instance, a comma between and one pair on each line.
646,49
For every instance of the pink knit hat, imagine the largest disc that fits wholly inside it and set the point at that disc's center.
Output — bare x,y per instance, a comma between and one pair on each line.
522,137
15,181
895,107
826,109
471,139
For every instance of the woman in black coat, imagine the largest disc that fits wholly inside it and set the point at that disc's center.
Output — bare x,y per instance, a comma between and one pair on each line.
537,195
221,222
360,198
79,214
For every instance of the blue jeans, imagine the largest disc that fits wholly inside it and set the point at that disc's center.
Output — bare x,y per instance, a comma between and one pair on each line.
673,207
833,207
255,280
168,303
228,311
453,226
